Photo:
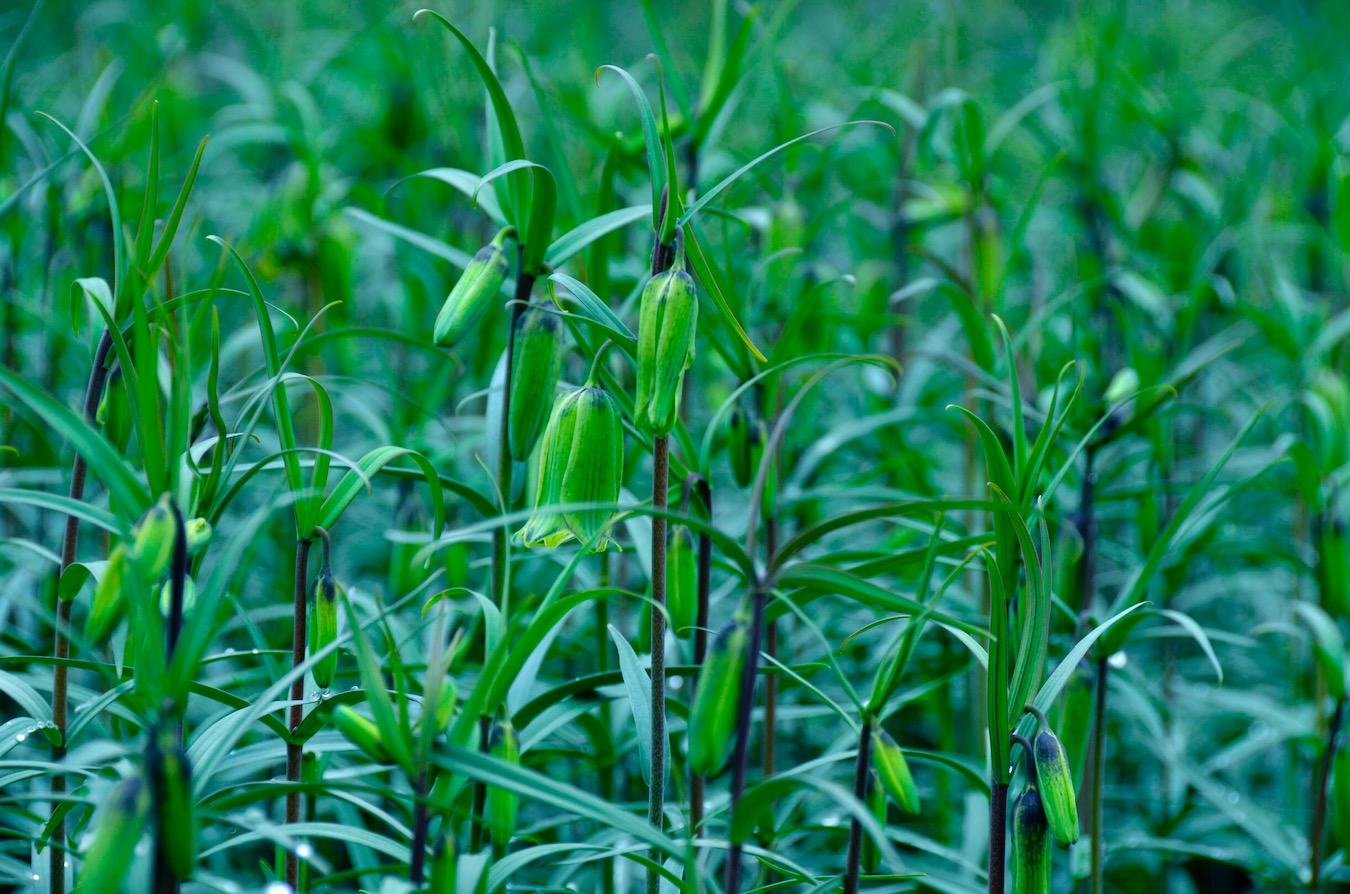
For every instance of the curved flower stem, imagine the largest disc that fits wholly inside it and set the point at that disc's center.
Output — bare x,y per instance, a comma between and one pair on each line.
1319,812
294,751
697,782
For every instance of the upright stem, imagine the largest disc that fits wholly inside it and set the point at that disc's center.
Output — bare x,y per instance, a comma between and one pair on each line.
480,790
696,782
1320,795
656,797
771,648
607,772
744,708
294,751
853,864
998,832
419,838
57,867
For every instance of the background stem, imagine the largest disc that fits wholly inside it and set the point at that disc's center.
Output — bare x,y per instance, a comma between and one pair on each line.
998,834
57,871
1320,796
744,709
861,765
656,796
294,751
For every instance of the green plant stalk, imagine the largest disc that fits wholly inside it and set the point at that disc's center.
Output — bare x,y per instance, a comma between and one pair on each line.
98,375
998,835
480,790
294,750
606,773
1320,810
741,754
656,794
704,588
501,566
418,857
770,743
861,765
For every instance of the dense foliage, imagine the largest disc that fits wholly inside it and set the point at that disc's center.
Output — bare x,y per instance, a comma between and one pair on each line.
612,447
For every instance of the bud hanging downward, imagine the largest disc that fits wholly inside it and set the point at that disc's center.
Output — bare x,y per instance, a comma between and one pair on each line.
712,719
1056,784
323,626
1031,845
535,360
746,436
152,539
475,291
667,321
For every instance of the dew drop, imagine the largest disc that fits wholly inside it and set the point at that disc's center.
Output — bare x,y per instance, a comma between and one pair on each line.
1234,797
304,851
20,737
255,652
1118,660
278,888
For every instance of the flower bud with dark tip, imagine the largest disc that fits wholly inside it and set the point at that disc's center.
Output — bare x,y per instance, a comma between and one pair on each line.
323,626
475,291
1055,781
152,539
738,447
1030,845
189,596
535,361
667,322
105,611
891,766
712,719
444,866
118,823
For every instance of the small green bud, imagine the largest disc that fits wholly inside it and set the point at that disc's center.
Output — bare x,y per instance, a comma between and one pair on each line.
712,719
682,581
444,866
166,596
323,626
114,412
445,703
667,322
1031,847
503,804
198,534
746,436
1056,785
475,291
177,815
361,732
535,362
105,611
891,766
119,822
152,539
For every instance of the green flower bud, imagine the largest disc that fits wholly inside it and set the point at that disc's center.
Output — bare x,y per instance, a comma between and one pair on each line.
595,468
535,361
114,412
118,824
503,804
667,321
712,719
682,581
105,611
445,703
198,534
1056,785
323,626
444,866
166,596
177,815
361,732
1031,847
746,437
152,539
544,525
889,760
475,291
